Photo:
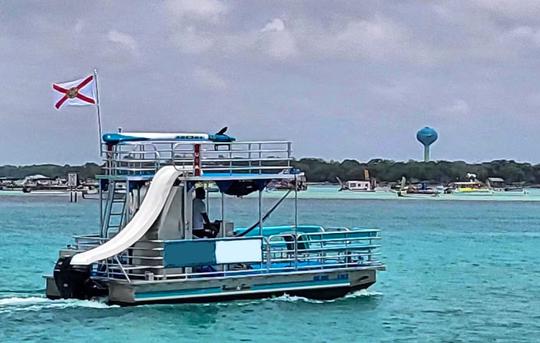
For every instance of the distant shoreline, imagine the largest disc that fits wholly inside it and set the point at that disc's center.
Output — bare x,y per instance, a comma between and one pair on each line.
322,171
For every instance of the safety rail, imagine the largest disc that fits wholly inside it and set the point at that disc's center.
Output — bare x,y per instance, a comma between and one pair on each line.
87,242
286,252
145,158
325,249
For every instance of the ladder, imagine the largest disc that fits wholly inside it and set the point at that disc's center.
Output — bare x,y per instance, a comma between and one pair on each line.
114,216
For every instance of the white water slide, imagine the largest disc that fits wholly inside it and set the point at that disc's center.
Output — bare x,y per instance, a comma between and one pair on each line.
148,213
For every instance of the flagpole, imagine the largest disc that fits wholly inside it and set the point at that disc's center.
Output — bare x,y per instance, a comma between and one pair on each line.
98,109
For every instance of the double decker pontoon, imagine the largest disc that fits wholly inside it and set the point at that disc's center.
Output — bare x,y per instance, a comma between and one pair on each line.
146,249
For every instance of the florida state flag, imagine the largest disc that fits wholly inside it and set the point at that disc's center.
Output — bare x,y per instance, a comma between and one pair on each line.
80,92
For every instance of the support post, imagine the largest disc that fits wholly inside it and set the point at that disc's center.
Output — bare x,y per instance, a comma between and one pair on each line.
222,214
197,160
188,212
100,190
295,224
426,153
260,214
295,204
98,110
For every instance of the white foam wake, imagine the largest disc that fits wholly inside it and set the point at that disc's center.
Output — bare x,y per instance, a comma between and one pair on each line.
363,293
39,303
295,298
358,294
16,301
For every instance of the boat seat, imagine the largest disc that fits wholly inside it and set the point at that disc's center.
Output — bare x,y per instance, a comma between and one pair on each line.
290,242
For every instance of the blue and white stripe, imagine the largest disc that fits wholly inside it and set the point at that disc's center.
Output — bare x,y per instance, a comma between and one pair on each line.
203,252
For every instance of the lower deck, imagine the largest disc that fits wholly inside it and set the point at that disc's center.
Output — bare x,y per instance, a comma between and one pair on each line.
317,284
305,260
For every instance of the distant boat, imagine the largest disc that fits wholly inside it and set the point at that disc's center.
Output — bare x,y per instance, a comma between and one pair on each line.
367,185
421,189
471,187
300,181
44,185
356,186
499,187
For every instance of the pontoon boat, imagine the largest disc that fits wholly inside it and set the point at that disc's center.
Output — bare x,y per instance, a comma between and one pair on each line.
146,249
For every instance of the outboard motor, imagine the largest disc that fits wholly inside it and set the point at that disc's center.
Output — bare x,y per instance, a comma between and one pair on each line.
74,281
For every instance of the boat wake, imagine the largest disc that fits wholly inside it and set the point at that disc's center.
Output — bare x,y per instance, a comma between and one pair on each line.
358,294
21,292
362,294
11,304
292,299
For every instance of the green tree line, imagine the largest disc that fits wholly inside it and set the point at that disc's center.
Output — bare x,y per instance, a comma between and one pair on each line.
319,170
88,170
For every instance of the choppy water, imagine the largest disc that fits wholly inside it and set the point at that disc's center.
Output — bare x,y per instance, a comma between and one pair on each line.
458,271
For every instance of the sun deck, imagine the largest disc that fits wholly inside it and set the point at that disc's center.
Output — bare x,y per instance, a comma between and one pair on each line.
200,159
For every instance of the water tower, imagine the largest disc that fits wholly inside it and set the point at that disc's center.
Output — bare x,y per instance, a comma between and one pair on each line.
426,136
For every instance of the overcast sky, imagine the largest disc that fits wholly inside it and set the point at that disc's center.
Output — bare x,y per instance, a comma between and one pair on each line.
342,79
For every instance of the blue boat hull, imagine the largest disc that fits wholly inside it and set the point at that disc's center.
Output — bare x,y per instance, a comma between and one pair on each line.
320,285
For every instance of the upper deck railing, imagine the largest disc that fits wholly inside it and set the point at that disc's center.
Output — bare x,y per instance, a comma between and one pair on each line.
198,158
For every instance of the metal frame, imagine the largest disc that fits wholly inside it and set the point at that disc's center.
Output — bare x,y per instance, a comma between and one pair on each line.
146,157
128,162
132,163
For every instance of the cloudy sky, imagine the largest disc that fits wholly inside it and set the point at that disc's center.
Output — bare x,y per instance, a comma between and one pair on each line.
342,79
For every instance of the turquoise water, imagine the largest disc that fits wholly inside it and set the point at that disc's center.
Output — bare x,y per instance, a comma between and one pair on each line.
458,271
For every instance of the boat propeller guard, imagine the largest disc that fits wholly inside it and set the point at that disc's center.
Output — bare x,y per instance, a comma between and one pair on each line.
74,281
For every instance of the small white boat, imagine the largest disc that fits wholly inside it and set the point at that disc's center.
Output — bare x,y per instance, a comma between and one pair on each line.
357,186
367,185
499,187
299,181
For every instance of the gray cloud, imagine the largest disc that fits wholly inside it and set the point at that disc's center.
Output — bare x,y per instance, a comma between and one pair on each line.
341,78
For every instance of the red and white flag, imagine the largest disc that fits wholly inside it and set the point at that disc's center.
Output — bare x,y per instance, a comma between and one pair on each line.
80,92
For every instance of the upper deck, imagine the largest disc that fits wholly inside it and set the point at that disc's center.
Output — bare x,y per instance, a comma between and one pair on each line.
201,156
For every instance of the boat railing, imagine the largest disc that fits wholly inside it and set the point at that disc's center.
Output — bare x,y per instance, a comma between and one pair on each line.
87,242
288,252
334,248
197,158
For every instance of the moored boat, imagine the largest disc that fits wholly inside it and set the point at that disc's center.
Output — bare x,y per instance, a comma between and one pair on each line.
367,185
418,190
299,181
470,188
499,187
356,186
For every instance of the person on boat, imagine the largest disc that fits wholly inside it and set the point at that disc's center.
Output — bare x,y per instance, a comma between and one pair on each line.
202,227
